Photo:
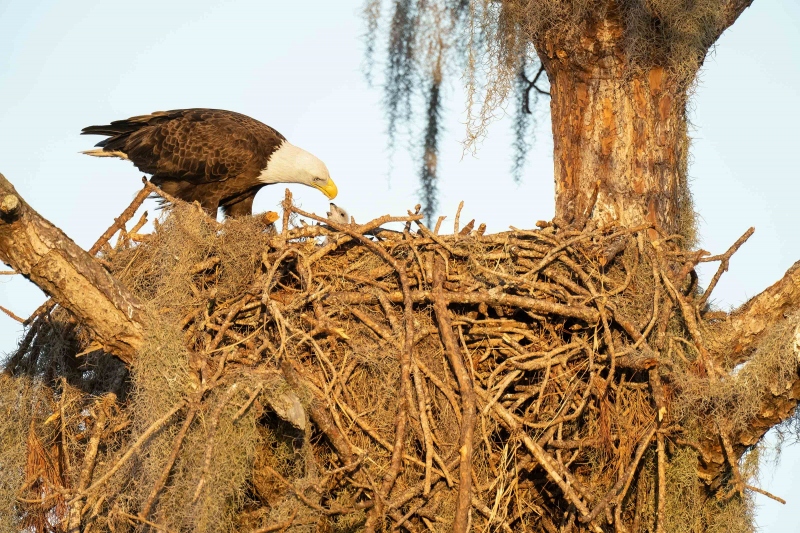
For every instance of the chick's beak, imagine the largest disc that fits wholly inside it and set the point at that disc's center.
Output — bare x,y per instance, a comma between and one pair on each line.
329,189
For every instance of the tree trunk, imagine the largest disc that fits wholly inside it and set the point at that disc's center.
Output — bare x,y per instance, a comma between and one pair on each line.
619,133
41,252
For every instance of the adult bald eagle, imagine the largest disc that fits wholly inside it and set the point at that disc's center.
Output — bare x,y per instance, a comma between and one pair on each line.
217,158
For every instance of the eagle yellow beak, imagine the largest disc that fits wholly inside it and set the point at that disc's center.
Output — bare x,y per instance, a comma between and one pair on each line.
329,189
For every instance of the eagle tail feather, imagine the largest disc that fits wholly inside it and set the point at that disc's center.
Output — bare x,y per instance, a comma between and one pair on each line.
115,128
103,153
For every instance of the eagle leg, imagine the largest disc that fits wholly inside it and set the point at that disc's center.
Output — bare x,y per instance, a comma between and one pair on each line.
241,207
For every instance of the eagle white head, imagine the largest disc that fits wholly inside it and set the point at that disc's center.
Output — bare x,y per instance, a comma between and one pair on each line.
290,164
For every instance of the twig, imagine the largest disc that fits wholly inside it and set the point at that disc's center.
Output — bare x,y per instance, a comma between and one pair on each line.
280,526
134,518
155,426
662,482
287,211
211,434
426,430
122,219
12,315
739,483
723,266
765,493
414,509
302,497
89,461
438,224
458,217
228,322
248,403
176,446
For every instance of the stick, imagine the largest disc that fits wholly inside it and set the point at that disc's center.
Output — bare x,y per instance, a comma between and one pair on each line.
458,217
765,493
76,505
12,315
176,446
426,430
134,518
122,219
212,433
662,482
287,211
465,386
723,266
439,224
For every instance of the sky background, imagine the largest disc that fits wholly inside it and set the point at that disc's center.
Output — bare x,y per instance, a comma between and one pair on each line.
298,67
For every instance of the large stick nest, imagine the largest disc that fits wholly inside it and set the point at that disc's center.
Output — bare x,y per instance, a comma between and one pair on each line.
349,377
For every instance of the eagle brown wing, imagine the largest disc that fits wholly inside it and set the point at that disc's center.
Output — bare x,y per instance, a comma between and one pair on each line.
194,145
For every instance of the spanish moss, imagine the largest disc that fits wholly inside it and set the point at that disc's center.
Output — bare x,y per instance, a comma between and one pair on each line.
401,72
372,14
428,173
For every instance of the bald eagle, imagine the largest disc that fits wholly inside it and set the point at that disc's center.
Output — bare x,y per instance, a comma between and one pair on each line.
214,157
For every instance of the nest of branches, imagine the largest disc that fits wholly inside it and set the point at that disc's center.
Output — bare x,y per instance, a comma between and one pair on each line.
330,377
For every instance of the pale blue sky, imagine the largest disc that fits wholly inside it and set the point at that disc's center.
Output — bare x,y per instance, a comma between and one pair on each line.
297,66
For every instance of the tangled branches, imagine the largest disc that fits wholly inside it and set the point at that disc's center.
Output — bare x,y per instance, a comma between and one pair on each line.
370,379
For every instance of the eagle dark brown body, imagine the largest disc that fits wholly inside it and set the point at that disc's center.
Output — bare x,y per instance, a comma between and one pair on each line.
215,157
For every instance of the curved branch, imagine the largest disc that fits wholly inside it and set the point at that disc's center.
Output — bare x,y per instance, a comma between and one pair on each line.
749,324
767,322
41,252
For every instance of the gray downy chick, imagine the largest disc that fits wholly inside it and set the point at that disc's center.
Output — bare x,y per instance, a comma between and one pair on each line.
337,215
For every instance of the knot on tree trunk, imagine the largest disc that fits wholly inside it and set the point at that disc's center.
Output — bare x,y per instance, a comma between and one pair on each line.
9,207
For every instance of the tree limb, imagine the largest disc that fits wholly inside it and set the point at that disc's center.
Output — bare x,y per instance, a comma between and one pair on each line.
42,253
749,324
768,322
732,9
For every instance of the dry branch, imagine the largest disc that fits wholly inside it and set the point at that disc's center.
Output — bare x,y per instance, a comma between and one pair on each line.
41,252
465,388
749,323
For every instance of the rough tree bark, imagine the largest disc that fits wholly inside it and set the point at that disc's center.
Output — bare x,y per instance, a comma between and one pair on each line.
41,252
621,139
620,131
